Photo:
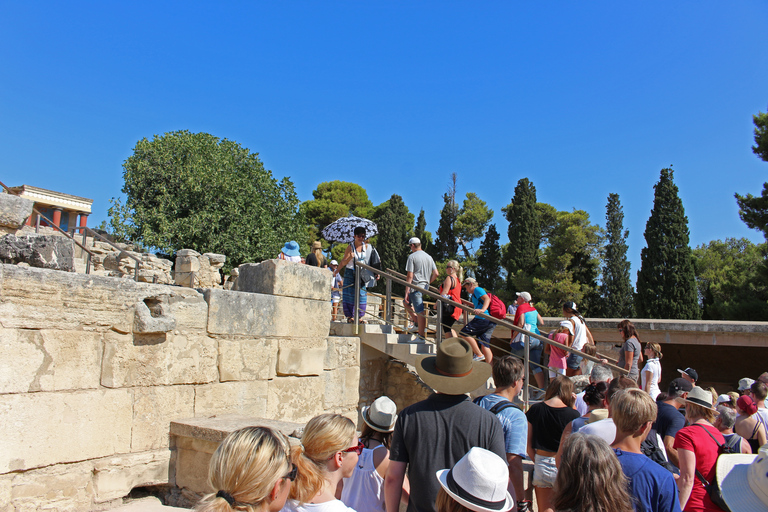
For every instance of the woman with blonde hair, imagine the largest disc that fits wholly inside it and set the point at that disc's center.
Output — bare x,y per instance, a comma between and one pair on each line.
590,478
451,289
250,470
328,452
651,376
316,258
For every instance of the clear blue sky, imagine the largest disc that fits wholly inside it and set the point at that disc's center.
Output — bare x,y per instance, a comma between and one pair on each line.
584,99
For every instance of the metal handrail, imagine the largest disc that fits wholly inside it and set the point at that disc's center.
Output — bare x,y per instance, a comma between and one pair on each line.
439,331
86,231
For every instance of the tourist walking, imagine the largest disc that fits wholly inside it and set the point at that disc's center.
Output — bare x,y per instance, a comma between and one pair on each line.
630,353
651,375
451,289
478,331
581,337
358,250
420,270
529,319
251,469
316,258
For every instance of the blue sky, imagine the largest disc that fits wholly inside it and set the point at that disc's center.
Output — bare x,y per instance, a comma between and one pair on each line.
582,98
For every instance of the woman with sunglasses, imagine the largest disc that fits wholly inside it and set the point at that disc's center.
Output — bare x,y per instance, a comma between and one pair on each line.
359,250
328,452
250,470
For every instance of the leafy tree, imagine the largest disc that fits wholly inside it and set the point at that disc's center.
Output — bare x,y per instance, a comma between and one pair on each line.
422,234
754,210
394,222
445,244
196,191
731,279
471,222
666,285
616,288
489,261
569,264
521,257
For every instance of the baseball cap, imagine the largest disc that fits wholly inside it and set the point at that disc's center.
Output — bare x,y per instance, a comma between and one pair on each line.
414,240
334,262
679,384
690,372
525,295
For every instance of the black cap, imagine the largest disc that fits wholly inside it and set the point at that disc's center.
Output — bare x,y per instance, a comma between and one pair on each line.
691,373
679,384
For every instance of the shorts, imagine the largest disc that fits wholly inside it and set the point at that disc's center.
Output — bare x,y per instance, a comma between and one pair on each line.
555,371
335,300
481,329
574,361
535,358
416,302
544,471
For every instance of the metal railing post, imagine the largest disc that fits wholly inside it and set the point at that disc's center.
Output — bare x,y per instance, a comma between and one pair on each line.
526,363
388,300
357,299
439,326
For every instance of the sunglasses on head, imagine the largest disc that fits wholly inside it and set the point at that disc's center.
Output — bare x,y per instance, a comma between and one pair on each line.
292,473
357,449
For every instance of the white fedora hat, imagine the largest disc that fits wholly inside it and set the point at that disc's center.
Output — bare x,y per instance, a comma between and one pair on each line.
743,481
478,481
381,415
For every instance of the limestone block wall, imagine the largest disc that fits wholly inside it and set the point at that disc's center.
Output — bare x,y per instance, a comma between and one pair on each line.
93,370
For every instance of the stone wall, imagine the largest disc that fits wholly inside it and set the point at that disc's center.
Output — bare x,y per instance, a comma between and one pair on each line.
93,370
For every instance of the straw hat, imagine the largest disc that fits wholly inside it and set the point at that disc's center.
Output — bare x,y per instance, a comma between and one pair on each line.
451,370
743,480
701,397
381,415
478,481
316,245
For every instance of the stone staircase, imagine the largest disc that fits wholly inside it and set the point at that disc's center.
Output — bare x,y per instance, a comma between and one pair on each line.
403,347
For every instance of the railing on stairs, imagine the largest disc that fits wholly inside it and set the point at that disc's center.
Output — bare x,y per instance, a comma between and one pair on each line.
391,276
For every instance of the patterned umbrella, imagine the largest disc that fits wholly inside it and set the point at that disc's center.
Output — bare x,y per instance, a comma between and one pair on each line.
343,229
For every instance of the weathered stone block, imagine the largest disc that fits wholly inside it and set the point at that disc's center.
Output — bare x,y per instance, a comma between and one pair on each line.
62,487
158,359
342,351
247,359
42,251
40,429
301,356
184,253
285,278
115,477
14,210
247,398
341,388
187,264
148,322
217,260
287,403
190,463
257,315
153,410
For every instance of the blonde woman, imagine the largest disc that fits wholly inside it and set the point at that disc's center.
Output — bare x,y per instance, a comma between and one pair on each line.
250,470
451,289
651,376
328,452
316,258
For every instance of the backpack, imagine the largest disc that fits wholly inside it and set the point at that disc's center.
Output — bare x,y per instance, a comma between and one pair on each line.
497,407
496,308
651,449
712,488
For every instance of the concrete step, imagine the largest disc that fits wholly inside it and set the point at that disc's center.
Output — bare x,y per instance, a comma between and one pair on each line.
404,347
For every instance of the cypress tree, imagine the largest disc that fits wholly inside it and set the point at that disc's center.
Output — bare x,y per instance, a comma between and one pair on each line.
489,260
446,246
524,232
616,288
422,234
666,285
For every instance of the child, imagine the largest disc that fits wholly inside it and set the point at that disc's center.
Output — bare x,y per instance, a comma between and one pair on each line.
557,356
586,364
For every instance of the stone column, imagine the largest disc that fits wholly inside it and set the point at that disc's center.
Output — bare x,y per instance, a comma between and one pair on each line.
57,216
83,219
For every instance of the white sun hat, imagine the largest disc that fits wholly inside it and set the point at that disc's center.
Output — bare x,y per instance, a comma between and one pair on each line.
743,480
381,415
478,481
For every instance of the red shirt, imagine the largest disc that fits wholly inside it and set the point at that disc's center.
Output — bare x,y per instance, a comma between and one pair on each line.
695,439
522,309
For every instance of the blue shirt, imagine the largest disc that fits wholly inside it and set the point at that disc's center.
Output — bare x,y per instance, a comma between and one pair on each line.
477,300
652,486
514,423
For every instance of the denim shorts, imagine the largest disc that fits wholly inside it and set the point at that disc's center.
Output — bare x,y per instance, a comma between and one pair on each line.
417,303
535,357
544,471
574,361
481,329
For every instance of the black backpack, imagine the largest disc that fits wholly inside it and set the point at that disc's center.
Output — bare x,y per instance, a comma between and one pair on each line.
498,407
712,488
651,449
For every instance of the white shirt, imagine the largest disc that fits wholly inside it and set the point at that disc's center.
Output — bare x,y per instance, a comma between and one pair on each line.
364,490
654,367
579,333
604,429
328,506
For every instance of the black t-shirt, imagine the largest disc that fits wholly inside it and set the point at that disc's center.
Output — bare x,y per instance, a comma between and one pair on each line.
668,420
434,434
311,259
547,425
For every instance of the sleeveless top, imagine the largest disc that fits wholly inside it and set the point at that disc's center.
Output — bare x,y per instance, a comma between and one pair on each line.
364,255
455,295
579,333
364,490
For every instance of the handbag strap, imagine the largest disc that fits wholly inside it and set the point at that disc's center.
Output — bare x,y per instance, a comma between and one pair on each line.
719,446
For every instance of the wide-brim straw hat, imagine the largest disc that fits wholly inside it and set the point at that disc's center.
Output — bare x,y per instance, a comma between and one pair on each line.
701,397
743,480
478,481
381,415
452,371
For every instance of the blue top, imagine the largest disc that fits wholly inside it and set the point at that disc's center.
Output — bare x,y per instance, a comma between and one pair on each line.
652,486
514,423
477,301
668,420
532,318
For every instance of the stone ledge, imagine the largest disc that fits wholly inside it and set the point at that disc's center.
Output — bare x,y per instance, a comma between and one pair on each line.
286,279
216,428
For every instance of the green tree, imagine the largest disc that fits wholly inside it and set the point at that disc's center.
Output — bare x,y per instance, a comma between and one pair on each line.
666,285
196,191
489,261
395,228
521,257
616,288
754,210
569,264
731,279
422,234
445,244
471,222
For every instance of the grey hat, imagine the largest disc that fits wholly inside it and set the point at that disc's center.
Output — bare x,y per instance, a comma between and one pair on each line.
701,397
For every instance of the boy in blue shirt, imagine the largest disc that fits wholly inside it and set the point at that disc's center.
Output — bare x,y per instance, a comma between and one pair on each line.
479,328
